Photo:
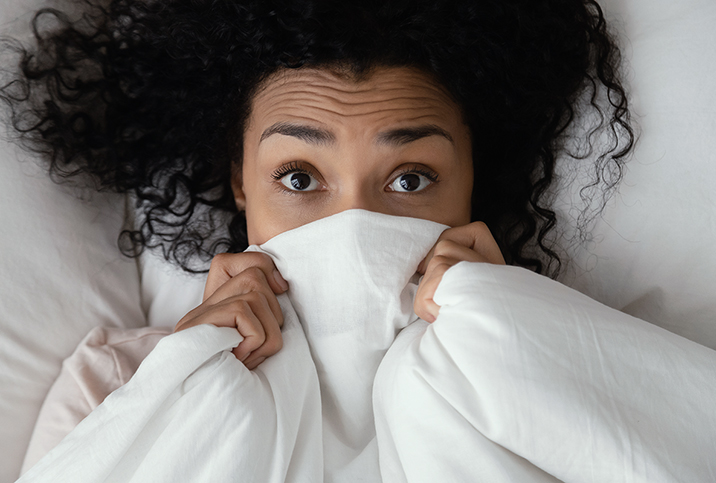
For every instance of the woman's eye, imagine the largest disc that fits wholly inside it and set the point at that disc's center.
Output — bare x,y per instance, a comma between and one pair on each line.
299,182
410,182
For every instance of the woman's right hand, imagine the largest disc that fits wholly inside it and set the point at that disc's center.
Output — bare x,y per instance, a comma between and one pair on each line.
241,292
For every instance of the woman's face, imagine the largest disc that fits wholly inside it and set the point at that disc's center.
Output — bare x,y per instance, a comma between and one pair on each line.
318,143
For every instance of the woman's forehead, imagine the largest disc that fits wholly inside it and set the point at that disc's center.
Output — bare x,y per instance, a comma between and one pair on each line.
387,95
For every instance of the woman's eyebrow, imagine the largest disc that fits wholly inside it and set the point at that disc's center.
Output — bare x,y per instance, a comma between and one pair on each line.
308,134
397,137
323,137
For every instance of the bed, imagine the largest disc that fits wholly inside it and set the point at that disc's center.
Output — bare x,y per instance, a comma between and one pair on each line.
649,255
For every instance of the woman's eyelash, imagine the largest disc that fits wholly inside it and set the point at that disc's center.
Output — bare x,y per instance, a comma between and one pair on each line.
292,167
432,176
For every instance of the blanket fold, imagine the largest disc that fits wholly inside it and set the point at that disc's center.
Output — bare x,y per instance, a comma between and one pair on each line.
192,412
519,379
577,390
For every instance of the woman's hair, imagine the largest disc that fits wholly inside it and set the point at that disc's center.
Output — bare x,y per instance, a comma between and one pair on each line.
151,98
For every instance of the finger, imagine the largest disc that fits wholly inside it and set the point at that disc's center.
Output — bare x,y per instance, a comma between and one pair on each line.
235,313
254,364
475,236
193,314
424,305
269,337
228,265
450,249
273,339
250,328
253,279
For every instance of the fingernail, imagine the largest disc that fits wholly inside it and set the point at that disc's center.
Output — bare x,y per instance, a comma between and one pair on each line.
246,357
280,281
420,266
430,318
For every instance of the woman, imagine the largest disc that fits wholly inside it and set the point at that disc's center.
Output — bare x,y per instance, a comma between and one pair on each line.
184,104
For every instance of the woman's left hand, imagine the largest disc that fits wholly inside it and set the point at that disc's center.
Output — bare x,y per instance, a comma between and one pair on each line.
468,243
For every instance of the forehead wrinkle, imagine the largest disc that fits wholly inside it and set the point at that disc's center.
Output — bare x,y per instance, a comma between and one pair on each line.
319,98
344,93
303,93
381,115
406,78
397,79
387,93
338,108
374,104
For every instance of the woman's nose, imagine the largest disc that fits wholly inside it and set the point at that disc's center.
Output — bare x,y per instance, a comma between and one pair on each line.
359,199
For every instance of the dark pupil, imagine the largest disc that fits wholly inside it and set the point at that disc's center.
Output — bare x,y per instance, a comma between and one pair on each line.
410,182
300,181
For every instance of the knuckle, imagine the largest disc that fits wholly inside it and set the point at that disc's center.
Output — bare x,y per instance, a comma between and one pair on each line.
479,229
254,274
239,306
273,345
479,225
419,309
218,261
253,279
218,258
442,247
444,235
239,263
258,259
439,261
260,339
255,297
254,340
219,267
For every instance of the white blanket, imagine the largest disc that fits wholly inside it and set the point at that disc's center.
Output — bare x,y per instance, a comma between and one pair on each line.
519,379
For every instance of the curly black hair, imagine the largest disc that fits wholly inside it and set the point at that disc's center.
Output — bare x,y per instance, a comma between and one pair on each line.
151,97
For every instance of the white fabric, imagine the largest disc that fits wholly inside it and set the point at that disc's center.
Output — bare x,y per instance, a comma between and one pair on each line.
351,279
104,361
350,284
519,379
521,376
193,412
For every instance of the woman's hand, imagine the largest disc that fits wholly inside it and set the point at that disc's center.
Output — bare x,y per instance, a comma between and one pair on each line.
241,292
469,243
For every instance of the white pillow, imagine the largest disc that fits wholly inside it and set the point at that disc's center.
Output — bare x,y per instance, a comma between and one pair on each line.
168,293
62,276
652,253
